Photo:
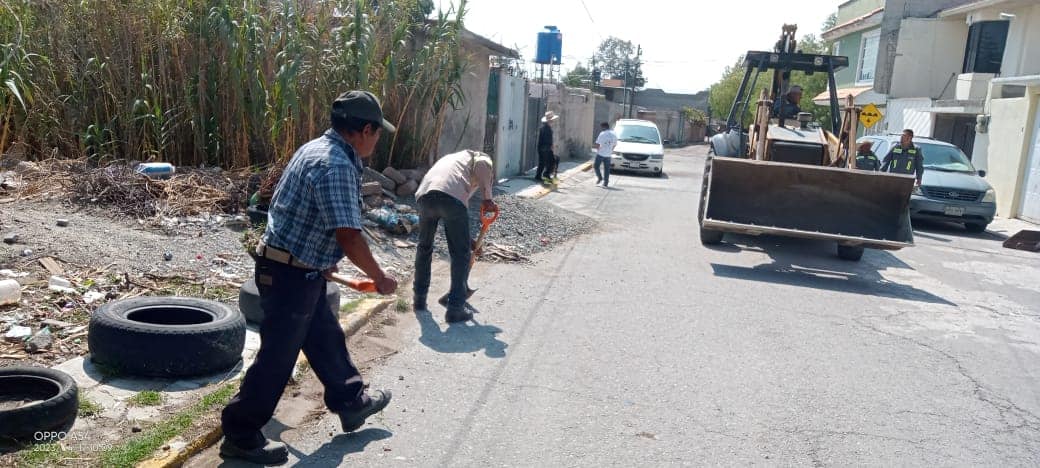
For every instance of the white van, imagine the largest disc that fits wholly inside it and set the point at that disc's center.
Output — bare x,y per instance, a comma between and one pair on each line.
639,147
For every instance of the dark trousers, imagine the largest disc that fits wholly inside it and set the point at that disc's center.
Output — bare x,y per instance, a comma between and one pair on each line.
605,175
434,207
296,316
546,161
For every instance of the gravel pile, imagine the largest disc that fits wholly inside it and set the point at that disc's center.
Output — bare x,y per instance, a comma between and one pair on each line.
530,226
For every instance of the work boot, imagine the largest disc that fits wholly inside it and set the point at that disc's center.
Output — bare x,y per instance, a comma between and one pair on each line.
271,453
354,419
418,303
458,314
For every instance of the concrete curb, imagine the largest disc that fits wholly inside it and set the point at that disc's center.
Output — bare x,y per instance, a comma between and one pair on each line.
584,167
351,324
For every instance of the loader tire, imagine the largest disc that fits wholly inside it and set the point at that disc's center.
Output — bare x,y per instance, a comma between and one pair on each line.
52,411
166,336
850,252
708,236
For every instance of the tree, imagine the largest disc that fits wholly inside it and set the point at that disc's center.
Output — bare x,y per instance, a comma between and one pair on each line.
617,59
724,91
577,77
830,22
694,115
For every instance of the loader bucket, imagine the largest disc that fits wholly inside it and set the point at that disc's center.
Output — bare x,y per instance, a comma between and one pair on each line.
868,209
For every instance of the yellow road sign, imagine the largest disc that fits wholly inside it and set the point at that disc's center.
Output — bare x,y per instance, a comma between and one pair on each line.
870,115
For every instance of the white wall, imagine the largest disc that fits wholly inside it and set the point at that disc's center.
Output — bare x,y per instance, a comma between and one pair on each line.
907,113
1008,135
929,53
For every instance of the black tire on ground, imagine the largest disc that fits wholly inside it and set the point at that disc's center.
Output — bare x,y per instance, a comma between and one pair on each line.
166,336
56,394
249,301
850,252
975,227
257,216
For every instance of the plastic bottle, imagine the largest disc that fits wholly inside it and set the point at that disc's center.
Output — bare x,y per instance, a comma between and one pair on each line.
10,292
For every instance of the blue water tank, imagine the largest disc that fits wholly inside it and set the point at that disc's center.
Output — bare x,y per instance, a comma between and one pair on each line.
550,46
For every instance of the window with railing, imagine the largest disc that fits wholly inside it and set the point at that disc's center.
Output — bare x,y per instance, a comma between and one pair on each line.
985,50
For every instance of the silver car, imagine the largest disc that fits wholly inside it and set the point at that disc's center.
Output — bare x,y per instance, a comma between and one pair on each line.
951,189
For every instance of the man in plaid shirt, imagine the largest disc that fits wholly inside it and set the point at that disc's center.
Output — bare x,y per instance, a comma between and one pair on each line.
313,221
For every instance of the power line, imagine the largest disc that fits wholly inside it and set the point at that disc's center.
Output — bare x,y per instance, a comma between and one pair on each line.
591,20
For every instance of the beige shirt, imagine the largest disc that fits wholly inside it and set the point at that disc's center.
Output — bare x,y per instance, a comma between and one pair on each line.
460,175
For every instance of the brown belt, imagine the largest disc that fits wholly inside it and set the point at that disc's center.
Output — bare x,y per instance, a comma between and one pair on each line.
280,256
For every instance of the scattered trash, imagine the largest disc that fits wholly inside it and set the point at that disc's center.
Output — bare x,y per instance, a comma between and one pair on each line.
12,274
392,221
156,170
11,239
135,429
40,342
18,333
92,296
27,253
63,223
56,323
59,284
10,292
168,256
198,256
52,266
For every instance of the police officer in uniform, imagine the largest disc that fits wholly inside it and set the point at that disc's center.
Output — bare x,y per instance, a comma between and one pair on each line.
866,160
905,158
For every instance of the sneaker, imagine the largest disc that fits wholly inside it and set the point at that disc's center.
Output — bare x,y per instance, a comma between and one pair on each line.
598,180
353,420
271,453
456,315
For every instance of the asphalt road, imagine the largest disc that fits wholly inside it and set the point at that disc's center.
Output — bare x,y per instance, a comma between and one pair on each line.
637,346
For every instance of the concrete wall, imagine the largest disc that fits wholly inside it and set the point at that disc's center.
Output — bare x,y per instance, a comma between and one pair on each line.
577,110
895,11
929,56
851,10
907,113
512,104
1006,146
606,111
464,128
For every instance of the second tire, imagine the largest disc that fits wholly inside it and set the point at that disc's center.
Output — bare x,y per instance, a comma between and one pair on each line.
249,301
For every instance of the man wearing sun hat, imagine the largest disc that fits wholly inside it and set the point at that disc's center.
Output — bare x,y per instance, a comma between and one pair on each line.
313,221
546,148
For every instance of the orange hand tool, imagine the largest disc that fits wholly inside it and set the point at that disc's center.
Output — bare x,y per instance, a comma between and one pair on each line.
362,285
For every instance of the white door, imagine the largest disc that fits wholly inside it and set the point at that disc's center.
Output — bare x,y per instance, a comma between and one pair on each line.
1031,185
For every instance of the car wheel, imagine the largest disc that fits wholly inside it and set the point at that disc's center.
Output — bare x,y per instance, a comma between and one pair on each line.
50,405
249,301
166,336
975,227
850,252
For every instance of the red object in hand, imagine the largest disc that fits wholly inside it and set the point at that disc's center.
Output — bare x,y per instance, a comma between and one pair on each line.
361,285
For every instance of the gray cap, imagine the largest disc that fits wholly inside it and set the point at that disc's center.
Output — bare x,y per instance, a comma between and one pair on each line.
794,89
360,105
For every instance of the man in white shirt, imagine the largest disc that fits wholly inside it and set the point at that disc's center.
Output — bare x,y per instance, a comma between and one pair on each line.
605,143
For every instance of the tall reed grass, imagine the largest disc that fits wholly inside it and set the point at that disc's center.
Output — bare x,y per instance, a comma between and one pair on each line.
219,82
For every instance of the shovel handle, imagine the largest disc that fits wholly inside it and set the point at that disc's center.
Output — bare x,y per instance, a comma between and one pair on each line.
361,285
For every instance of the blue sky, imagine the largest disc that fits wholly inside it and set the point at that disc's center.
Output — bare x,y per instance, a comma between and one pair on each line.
686,43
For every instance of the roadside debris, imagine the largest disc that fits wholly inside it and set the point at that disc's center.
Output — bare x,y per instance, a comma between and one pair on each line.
40,342
1024,240
63,223
10,292
18,333
11,239
59,284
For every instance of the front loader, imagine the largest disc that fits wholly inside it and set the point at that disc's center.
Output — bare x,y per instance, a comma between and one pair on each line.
783,177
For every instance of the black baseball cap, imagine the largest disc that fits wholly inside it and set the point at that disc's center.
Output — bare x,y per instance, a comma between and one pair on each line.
360,105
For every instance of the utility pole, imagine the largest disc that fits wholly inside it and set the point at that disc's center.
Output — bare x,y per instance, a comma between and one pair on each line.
624,104
635,77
